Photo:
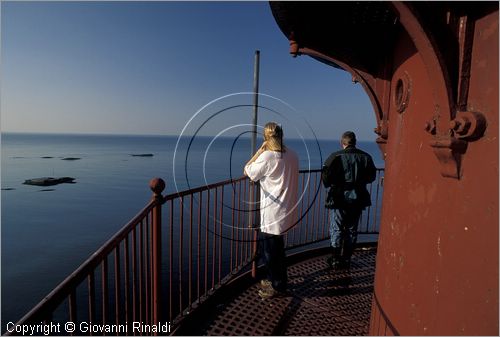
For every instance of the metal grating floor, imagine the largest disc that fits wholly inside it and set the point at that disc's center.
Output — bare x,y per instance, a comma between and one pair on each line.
320,302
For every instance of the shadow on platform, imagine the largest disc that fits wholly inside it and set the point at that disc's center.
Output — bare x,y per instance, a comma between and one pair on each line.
320,301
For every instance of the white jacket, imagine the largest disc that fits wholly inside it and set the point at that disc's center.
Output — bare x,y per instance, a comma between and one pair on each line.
278,174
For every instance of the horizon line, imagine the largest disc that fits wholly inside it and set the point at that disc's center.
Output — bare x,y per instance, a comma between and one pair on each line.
144,135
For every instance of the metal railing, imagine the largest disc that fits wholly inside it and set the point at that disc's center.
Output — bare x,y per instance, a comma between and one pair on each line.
175,253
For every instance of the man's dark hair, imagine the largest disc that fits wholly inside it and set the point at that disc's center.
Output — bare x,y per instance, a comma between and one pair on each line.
348,138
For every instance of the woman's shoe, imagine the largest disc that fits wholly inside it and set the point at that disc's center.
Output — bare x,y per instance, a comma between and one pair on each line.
264,284
269,293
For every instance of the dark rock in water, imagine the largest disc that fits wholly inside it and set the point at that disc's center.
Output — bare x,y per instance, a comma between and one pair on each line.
47,190
8,189
142,155
46,157
71,158
49,181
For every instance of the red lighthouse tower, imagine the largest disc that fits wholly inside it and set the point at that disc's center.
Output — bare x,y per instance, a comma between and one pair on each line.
431,72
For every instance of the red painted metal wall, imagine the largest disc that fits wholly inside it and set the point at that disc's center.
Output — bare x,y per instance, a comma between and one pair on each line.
431,72
437,264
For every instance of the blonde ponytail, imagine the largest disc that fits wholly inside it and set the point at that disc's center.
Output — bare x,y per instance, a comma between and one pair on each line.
273,135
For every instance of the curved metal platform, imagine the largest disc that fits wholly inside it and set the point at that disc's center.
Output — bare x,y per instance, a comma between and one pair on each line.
319,301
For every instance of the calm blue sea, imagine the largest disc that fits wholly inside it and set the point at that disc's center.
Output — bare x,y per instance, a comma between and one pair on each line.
47,232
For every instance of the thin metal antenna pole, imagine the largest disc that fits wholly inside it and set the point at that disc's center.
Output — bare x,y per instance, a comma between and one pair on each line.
254,196
255,100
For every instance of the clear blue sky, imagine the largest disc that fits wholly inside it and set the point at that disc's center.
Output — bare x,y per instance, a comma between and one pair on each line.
147,68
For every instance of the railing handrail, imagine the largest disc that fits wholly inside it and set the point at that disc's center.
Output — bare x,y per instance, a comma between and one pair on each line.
202,188
57,295
222,183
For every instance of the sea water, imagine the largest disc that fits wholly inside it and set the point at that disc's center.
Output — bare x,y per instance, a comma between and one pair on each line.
48,231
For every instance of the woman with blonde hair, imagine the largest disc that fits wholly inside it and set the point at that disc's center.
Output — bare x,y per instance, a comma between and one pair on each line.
276,167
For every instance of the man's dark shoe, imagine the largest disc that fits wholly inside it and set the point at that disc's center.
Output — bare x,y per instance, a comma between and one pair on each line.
330,261
337,264
343,265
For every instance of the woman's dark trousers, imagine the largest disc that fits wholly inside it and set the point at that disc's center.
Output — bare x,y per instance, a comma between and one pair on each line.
273,253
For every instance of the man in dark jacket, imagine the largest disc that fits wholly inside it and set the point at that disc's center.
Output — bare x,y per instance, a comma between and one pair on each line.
346,173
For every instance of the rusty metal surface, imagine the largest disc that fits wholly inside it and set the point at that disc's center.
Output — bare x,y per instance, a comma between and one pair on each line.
320,301
434,92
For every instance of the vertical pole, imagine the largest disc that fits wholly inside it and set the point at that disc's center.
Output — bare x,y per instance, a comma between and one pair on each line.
253,196
255,100
157,185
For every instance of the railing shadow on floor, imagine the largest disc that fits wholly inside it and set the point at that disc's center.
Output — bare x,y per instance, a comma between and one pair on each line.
175,253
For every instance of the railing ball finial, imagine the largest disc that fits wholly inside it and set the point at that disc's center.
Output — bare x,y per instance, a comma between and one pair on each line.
157,185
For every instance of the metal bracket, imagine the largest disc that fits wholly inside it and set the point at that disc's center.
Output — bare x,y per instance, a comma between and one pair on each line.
467,126
449,152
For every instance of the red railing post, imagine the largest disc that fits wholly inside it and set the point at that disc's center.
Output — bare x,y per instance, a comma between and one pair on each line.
157,185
